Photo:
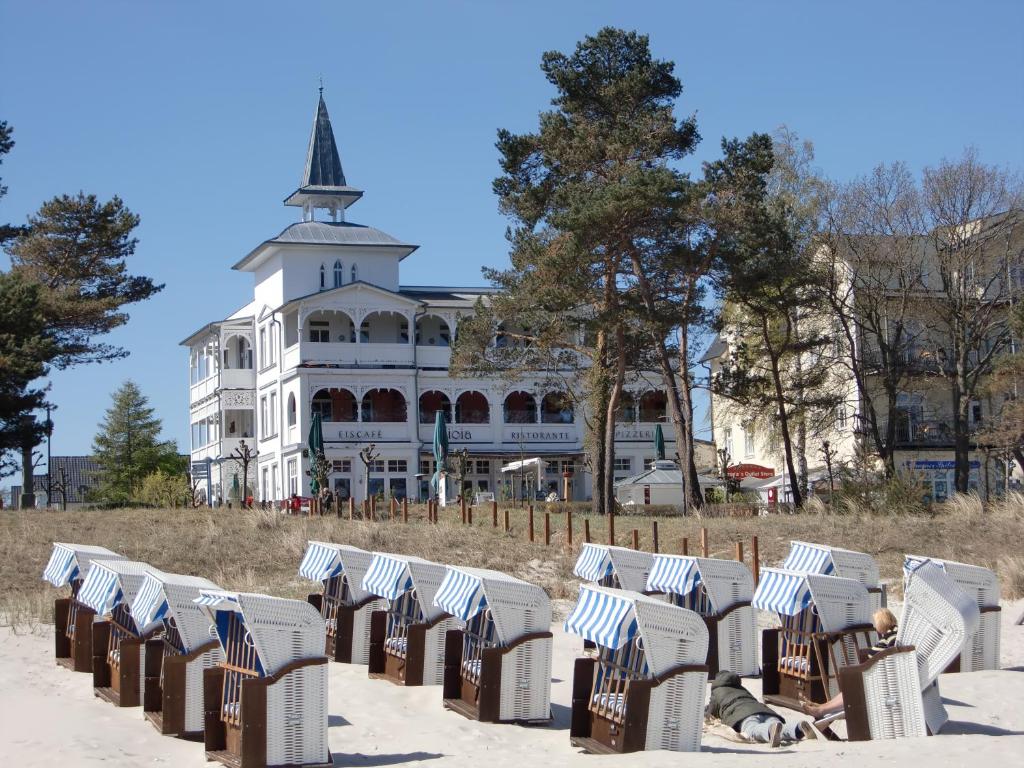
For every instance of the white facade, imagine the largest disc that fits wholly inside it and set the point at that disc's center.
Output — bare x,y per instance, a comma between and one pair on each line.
331,329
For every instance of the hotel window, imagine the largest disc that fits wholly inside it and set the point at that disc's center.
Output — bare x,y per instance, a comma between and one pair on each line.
293,477
319,331
273,479
377,466
551,467
341,465
273,413
264,424
567,466
323,277
354,274
398,466
426,467
748,440
263,347
624,464
483,467
841,415
291,410
272,345
339,273
266,483
727,440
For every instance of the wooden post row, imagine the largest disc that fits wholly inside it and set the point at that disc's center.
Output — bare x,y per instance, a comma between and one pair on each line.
547,529
494,514
636,539
586,529
530,522
568,526
654,535
703,542
755,557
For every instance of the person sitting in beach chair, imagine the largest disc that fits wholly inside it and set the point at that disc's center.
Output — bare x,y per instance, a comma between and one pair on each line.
886,626
735,706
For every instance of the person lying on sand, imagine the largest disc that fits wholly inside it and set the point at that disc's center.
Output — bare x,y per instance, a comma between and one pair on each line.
737,708
885,625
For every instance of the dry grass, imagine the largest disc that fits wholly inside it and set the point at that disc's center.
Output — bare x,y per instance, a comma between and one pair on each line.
260,551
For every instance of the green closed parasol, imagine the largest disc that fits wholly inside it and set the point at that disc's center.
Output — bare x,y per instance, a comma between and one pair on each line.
659,443
316,447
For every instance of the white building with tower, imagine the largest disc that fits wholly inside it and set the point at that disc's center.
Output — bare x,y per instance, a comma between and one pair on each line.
332,330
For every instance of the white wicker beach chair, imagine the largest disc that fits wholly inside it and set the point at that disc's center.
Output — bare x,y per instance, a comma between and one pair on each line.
805,557
172,697
981,651
344,604
72,621
825,626
498,665
616,567
721,591
266,703
895,693
646,687
118,641
407,639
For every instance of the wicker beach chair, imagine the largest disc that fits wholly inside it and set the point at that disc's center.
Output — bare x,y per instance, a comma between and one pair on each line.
981,651
896,693
118,641
265,704
72,621
805,557
616,567
344,604
407,638
498,666
172,697
645,688
721,592
825,626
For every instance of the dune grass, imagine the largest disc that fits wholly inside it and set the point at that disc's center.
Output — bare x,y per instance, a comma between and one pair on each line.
260,550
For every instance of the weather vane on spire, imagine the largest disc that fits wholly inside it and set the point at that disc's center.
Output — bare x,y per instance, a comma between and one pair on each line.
321,85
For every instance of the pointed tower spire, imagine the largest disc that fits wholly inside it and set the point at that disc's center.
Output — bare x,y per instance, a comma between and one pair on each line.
323,180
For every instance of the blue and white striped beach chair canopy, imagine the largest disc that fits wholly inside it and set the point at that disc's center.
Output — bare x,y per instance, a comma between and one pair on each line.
112,582
71,561
838,603
726,582
807,557
631,567
390,576
516,606
168,596
281,630
668,634
324,560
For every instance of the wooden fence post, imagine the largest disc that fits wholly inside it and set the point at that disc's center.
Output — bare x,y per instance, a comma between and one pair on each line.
462,507
739,551
586,529
611,527
531,522
755,557
393,508
351,507
686,546
654,534
703,542
636,539
469,515
373,508
506,521
405,510
494,513
547,529
568,526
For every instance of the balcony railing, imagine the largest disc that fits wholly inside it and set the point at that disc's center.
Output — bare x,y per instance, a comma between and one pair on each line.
924,432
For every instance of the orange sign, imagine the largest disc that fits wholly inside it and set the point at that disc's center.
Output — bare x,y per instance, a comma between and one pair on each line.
743,471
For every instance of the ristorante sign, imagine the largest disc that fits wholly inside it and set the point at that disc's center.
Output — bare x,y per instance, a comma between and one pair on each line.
529,435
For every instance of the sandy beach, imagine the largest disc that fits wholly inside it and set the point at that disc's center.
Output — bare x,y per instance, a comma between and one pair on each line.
49,716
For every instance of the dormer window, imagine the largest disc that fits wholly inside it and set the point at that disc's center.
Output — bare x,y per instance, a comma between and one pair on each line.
323,277
339,274
355,274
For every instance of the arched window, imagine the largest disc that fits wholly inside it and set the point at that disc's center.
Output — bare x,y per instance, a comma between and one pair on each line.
323,277
335,405
653,406
556,408
339,273
430,403
520,408
472,408
322,404
384,405
355,274
291,410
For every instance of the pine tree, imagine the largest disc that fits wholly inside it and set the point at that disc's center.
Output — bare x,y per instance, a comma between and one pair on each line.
128,446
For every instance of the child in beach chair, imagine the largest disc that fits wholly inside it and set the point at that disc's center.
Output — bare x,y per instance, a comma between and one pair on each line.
737,708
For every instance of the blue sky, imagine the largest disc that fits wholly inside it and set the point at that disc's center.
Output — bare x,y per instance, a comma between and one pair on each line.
198,114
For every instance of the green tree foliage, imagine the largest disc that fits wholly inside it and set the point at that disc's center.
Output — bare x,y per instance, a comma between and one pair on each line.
6,145
166,490
26,346
128,447
76,248
578,194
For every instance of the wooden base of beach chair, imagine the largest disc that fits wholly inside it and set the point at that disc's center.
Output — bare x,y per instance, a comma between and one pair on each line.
75,652
120,683
385,665
339,643
787,690
164,704
481,700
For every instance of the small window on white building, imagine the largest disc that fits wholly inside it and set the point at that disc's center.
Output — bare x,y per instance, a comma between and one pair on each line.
264,424
291,410
974,414
265,486
263,347
623,463
748,440
293,477
275,482
339,274
323,277
273,413
397,466
354,274
727,440
319,331
841,416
